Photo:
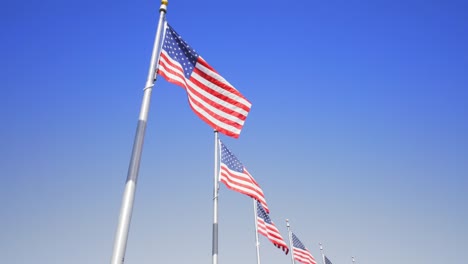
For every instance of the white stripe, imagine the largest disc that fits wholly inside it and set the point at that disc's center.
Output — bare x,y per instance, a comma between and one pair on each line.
222,91
248,191
213,98
248,178
219,78
210,97
227,180
305,260
303,256
262,230
300,253
243,179
212,74
217,122
235,181
172,68
271,232
189,85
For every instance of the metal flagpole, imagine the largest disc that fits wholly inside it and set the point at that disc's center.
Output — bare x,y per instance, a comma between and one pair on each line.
323,255
290,242
257,243
215,201
121,236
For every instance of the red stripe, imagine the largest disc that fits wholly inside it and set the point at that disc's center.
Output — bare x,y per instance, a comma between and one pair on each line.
303,256
215,104
228,179
236,186
224,86
179,73
165,62
271,232
218,117
162,71
244,177
248,181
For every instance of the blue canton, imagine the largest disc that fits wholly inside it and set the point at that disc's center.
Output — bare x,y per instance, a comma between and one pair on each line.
262,214
180,51
230,160
296,242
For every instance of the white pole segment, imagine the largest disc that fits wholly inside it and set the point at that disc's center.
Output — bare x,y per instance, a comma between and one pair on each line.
257,243
323,255
121,236
214,250
290,242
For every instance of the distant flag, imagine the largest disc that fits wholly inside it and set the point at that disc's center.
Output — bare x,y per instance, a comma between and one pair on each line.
210,96
300,252
267,228
236,177
327,261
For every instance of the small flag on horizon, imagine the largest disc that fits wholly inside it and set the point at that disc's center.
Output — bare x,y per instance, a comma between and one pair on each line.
236,177
210,96
267,228
327,261
300,252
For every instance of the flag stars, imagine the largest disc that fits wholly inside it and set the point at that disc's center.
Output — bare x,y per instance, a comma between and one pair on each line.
261,212
230,160
297,243
226,114
180,51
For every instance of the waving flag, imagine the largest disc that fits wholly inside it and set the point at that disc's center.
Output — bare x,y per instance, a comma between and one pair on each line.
300,252
267,228
210,96
236,177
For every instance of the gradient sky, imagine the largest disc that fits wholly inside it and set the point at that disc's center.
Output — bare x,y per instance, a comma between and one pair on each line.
358,131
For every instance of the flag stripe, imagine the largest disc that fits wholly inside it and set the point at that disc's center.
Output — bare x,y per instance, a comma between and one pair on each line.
271,234
216,116
206,89
215,121
242,183
267,228
236,177
300,252
210,96
217,100
303,256
227,90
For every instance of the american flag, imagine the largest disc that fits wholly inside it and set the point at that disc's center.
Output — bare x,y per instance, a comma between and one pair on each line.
236,177
210,96
327,261
300,252
267,228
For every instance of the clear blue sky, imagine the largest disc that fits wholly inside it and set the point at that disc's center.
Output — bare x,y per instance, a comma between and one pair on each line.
358,131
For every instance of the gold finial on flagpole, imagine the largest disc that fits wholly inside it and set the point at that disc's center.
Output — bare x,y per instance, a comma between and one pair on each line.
163,5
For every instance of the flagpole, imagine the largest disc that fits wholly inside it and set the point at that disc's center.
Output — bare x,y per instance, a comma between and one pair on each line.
121,236
352,259
323,255
290,242
257,243
215,201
